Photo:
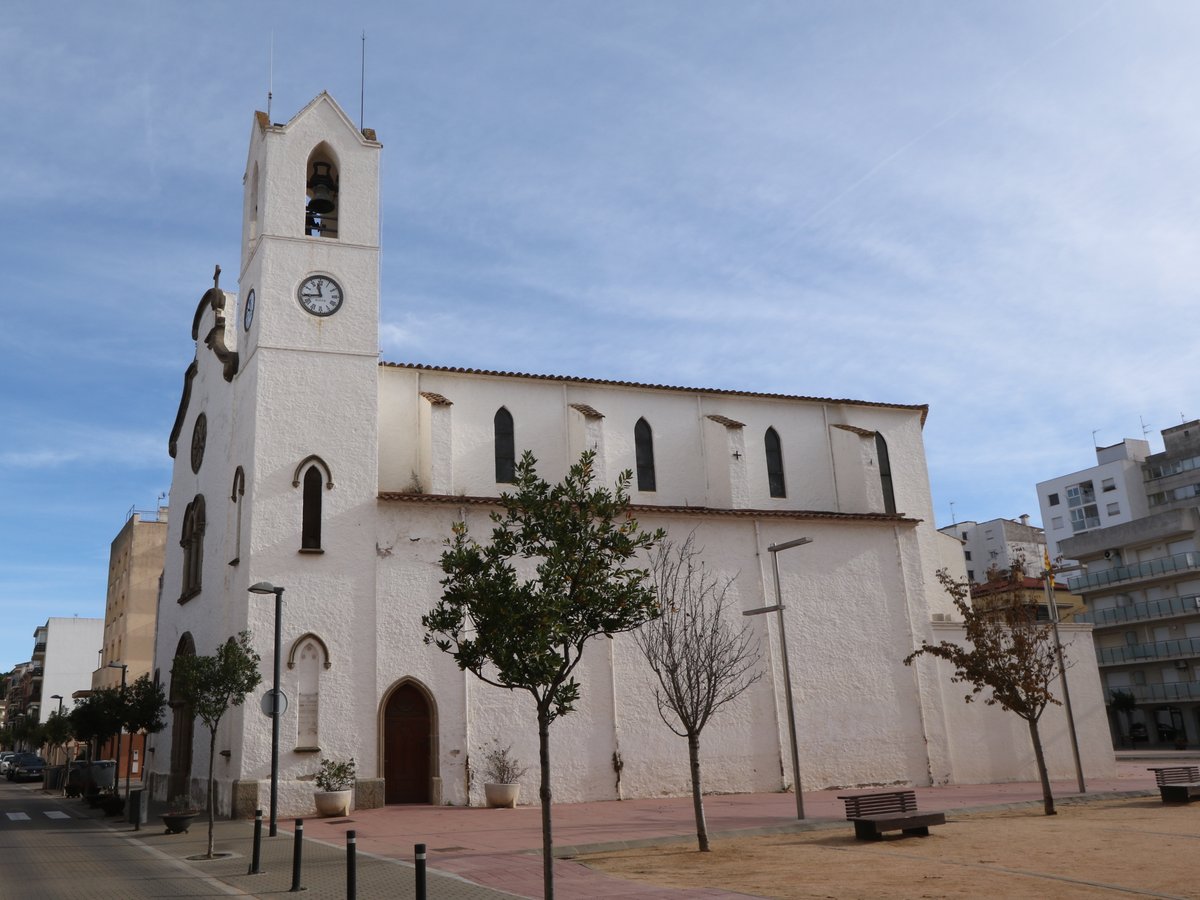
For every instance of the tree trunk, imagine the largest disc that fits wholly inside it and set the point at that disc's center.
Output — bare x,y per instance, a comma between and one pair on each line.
1047,796
544,794
212,752
697,797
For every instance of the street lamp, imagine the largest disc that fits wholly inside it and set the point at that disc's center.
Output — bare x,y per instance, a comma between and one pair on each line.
265,587
59,698
1051,601
774,549
120,727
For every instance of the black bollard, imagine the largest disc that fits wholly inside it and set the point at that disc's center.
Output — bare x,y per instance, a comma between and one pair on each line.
256,857
420,870
351,866
297,847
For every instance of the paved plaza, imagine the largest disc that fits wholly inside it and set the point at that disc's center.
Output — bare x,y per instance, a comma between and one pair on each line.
484,853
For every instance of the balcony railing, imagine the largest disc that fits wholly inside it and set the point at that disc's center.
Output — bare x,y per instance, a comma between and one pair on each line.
1160,693
1130,653
39,649
1165,565
1136,612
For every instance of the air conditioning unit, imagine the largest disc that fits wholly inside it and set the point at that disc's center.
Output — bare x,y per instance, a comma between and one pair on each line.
945,617
1197,602
1113,554
1181,663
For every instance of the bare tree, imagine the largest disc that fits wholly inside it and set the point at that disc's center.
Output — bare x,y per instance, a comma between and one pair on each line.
1011,653
700,659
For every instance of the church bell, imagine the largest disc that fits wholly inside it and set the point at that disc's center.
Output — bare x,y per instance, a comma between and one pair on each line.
323,190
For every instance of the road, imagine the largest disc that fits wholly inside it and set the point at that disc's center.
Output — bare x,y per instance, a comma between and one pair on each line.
50,851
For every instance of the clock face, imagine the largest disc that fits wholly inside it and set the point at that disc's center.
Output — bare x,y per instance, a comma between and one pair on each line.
320,295
248,315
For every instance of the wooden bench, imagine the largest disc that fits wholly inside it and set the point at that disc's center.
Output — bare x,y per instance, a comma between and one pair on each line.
1177,784
882,811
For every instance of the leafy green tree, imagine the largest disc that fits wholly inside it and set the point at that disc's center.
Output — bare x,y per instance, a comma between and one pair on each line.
525,630
97,717
1011,655
1123,704
57,729
145,705
701,660
210,685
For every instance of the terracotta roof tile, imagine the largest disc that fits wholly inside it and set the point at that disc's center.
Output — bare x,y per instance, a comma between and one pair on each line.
589,411
647,508
436,399
854,429
922,408
727,422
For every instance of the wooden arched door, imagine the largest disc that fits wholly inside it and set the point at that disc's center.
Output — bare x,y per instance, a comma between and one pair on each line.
183,720
407,746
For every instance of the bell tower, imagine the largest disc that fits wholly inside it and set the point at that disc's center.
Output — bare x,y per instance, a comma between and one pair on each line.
305,410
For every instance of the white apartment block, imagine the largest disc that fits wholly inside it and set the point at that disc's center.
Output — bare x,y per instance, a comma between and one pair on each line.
1109,493
997,544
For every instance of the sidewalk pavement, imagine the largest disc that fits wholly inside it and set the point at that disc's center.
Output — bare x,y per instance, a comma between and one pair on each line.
475,853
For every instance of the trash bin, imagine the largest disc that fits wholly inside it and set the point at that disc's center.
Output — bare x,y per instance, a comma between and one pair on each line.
53,778
136,805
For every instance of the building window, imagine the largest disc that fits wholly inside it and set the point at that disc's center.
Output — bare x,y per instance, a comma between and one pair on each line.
970,574
885,474
775,464
1080,494
1053,499
1114,509
967,554
1108,484
192,542
308,691
506,448
1056,522
310,529
643,442
1085,517
236,495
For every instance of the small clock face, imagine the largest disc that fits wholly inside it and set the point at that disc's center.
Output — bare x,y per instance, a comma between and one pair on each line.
248,315
320,295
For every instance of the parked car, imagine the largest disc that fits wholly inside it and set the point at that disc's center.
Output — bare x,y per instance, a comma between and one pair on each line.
26,767
5,757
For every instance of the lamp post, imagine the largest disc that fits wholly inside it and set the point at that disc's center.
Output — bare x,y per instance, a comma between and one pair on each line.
120,727
265,587
59,698
774,549
1051,601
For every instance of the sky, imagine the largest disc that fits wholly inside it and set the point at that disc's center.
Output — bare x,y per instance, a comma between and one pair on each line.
992,208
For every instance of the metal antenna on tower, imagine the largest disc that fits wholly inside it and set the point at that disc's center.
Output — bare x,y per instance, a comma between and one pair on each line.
1095,431
953,521
362,81
1145,427
270,75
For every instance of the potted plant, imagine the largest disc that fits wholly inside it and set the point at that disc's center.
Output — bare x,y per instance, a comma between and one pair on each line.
179,814
501,774
335,787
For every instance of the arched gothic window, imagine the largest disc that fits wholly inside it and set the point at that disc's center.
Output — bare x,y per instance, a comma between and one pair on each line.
310,659
310,531
506,448
236,495
774,464
885,474
192,542
643,442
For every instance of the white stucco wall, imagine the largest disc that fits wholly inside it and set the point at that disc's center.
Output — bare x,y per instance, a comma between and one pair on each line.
72,650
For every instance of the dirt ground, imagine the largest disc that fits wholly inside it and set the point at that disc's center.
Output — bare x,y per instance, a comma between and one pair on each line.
1093,849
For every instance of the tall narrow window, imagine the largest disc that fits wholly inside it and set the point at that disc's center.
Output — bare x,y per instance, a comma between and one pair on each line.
192,542
310,532
506,448
775,464
308,689
885,474
239,491
643,442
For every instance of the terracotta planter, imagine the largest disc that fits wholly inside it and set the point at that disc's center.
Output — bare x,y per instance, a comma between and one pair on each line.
333,803
501,796
177,823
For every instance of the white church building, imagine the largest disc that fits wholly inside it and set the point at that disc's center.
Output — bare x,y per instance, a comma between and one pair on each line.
304,461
